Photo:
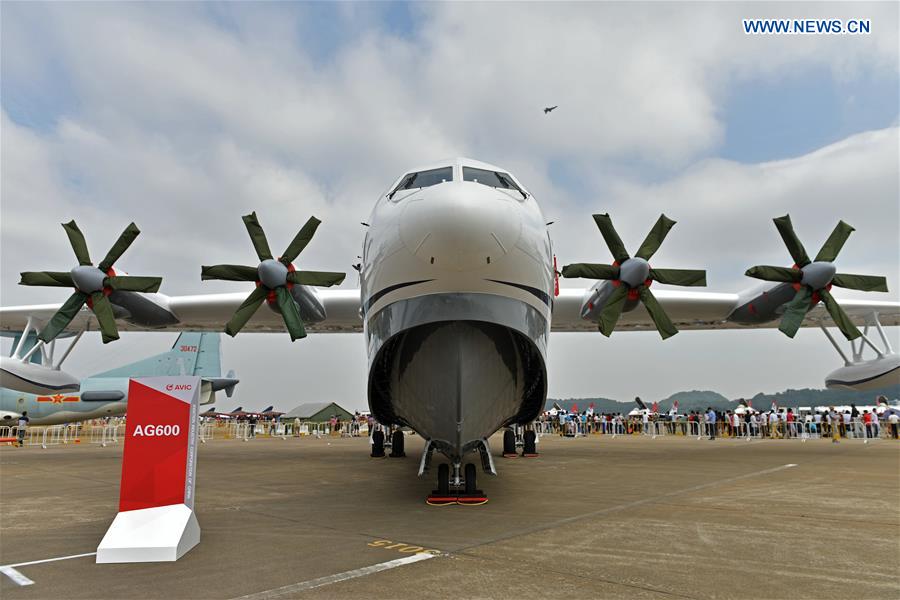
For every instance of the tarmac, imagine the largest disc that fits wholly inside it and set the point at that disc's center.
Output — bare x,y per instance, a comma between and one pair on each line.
596,517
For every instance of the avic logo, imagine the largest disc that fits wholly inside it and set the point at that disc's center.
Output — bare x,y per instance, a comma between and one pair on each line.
172,387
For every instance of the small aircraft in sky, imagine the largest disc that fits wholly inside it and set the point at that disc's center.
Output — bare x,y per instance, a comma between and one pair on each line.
550,109
106,394
459,292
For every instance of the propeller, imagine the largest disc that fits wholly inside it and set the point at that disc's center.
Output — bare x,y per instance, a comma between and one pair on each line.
632,276
274,278
92,284
812,279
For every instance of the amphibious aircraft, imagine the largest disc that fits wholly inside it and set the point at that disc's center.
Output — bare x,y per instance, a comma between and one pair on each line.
106,394
458,295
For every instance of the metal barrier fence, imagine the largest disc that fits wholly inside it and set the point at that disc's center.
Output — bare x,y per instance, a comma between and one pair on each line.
855,429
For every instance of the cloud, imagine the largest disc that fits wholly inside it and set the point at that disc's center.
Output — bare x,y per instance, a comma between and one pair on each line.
183,117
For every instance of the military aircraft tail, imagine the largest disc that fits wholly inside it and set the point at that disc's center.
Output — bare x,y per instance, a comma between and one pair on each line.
193,353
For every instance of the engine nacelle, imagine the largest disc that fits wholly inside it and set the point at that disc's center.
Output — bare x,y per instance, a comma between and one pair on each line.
35,379
9,418
866,375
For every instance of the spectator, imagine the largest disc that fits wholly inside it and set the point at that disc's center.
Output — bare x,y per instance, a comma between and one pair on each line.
22,426
894,420
836,423
711,422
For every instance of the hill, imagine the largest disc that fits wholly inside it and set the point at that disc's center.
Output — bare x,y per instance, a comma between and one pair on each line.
700,399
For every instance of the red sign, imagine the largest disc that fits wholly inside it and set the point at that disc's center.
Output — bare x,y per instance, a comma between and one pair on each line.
160,453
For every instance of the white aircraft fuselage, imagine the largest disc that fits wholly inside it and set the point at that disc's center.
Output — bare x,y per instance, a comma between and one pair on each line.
457,289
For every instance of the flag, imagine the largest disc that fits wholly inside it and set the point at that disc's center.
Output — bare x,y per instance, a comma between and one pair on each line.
574,408
774,406
655,407
675,405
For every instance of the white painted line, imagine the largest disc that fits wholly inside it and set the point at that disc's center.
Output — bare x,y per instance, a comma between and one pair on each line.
290,590
11,572
17,577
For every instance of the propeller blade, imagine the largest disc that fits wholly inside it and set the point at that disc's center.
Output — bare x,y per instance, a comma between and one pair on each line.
786,229
130,283
246,310
229,273
320,278
300,240
104,312
257,236
48,278
63,316
79,245
795,311
655,237
865,283
290,313
121,245
609,316
613,241
835,242
770,273
591,271
685,277
841,319
664,325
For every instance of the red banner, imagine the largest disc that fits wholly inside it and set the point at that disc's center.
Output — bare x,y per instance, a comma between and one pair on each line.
160,453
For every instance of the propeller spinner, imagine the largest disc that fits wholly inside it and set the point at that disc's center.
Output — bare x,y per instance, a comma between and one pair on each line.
632,276
274,278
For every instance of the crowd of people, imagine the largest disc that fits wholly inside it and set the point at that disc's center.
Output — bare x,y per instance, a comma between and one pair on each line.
784,423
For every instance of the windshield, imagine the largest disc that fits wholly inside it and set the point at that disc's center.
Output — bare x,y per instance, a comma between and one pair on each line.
494,179
424,179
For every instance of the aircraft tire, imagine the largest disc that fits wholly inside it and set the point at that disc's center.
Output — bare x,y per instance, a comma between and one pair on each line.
509,442
397,439
470,474
378,444
443,475
529,448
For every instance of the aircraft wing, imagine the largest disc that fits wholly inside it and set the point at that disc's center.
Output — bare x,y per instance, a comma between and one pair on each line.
708,310
210,312
205,312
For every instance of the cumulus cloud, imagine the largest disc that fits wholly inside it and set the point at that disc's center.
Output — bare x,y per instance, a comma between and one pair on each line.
183,117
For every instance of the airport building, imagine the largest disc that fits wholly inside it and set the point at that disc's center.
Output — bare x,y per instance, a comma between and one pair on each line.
318,412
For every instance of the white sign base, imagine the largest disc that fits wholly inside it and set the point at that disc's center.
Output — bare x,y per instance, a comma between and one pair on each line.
159,534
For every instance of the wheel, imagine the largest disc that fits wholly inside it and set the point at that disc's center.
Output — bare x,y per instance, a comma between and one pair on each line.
378,444
529,447
470,478
444,479
509,442
397,444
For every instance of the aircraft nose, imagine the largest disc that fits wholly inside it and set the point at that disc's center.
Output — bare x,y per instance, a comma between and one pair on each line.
461,227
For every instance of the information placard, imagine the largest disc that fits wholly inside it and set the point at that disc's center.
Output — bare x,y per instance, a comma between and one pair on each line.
156,520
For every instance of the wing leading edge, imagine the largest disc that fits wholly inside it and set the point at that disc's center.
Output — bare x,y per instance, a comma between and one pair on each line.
708,310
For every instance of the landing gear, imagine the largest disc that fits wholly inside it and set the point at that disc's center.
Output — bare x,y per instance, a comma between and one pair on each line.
529,446
377,444
461,490
509,444
397,444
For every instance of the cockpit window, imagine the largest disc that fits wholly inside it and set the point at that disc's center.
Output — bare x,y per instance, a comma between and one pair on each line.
494,179
424,179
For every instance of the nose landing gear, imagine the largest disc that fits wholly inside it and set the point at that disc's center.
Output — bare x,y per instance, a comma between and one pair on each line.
456,489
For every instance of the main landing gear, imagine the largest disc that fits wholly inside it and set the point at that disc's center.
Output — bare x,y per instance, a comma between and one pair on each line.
455,489
515,437
395,443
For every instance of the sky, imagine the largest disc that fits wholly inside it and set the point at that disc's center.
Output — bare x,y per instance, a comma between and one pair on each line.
184,116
